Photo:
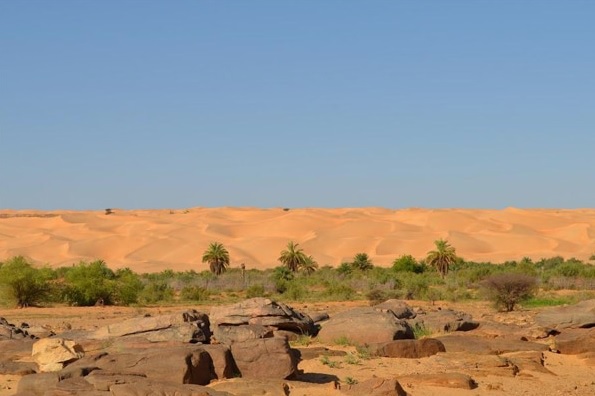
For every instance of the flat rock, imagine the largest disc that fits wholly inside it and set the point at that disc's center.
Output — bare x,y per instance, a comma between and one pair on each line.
487,346
365,326
230,334
398,307
575,341
408,349
250,387
581,315
316,352
375,387
444,321
445,380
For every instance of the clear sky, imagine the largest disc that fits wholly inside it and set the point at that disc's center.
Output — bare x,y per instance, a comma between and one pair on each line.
172,104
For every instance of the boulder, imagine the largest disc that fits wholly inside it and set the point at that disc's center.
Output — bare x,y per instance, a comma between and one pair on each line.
365,325
487,346
318,317
375,387
52,354
14,354
581,315
527,361
399,307
228,321
476,365
445,380
444,321
190,326
316,352
9,331
409,349
265,358
223,363
575,341
230,334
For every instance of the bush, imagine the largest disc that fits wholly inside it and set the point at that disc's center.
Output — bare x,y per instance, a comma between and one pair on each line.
508,289
255,291
407,263
156,291
128,287
24,283
194,293
90,283
376,296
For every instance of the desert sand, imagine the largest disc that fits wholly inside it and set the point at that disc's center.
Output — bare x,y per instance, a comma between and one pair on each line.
153,240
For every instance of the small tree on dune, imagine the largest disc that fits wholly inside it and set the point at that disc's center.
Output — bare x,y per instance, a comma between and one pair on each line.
293,257
218,258
442,258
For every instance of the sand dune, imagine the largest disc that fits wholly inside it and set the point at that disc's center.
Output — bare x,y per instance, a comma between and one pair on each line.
153,240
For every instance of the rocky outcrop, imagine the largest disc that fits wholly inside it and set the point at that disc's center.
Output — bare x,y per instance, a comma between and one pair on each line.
444,321
265,358
445,380
581,315
487,346
190,326
575,341
251,387
398,307
257,318
365,326
9,331
52,354
408,349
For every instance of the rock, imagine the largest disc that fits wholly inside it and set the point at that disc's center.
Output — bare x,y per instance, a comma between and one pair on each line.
365,326
229,320
188,364
245,387
190,326
318,317
13,356
527,361
9,331
147,388
52,354
487,346
476,365
445,380
409,349
223,362
400,308
375,387
444,321
581,315
230,334
575,341
265,358
37,384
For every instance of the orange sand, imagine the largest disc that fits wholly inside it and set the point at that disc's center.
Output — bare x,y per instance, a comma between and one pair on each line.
153,240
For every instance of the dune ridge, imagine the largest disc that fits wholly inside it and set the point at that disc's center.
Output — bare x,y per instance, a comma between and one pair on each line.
154,240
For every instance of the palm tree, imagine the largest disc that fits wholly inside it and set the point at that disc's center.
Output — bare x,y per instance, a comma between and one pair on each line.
442,258
293,257
217,256
310,265
362,262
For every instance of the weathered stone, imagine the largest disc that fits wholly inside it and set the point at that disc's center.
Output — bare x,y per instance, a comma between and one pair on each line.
265,358
316,352
365,326
37,384
487,346
248,387
147,388
375,387
409,349
223,362
399,307
581,315
52,354
230,334
9,331
318,317
189,326
445,380
444,321
575,341
476,365
527,361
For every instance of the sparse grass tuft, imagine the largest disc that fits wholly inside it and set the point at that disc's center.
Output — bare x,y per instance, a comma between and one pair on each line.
420,331
350,381
302,340
328,362
352,358
344,341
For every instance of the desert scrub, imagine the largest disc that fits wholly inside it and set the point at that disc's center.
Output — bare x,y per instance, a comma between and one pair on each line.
302,340
194,293
508,289
421,331
344,341
325,360
350,381
22,283
352,358
255,291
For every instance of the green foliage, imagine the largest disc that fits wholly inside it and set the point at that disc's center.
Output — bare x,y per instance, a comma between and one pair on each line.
546,301
407,263
194,293
255,291
218,258
23,283
350,381
302,340
420,331
362,262
509,289
345,269
128,287
156,291
295,291
344,341
339,292
376,296
87,284
442,258
294,258
414,285
328,362
352,358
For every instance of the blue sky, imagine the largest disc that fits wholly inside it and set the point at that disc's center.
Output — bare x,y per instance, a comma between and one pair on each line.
160,104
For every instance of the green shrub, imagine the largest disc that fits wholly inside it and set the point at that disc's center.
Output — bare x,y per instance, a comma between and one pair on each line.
340,292
194,293
420,331
255,291
295,291
156,291
376,296
87,284
407,263
128,287
23,283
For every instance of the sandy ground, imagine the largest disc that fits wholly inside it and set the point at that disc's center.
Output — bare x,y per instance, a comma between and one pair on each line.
153,240
570,374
